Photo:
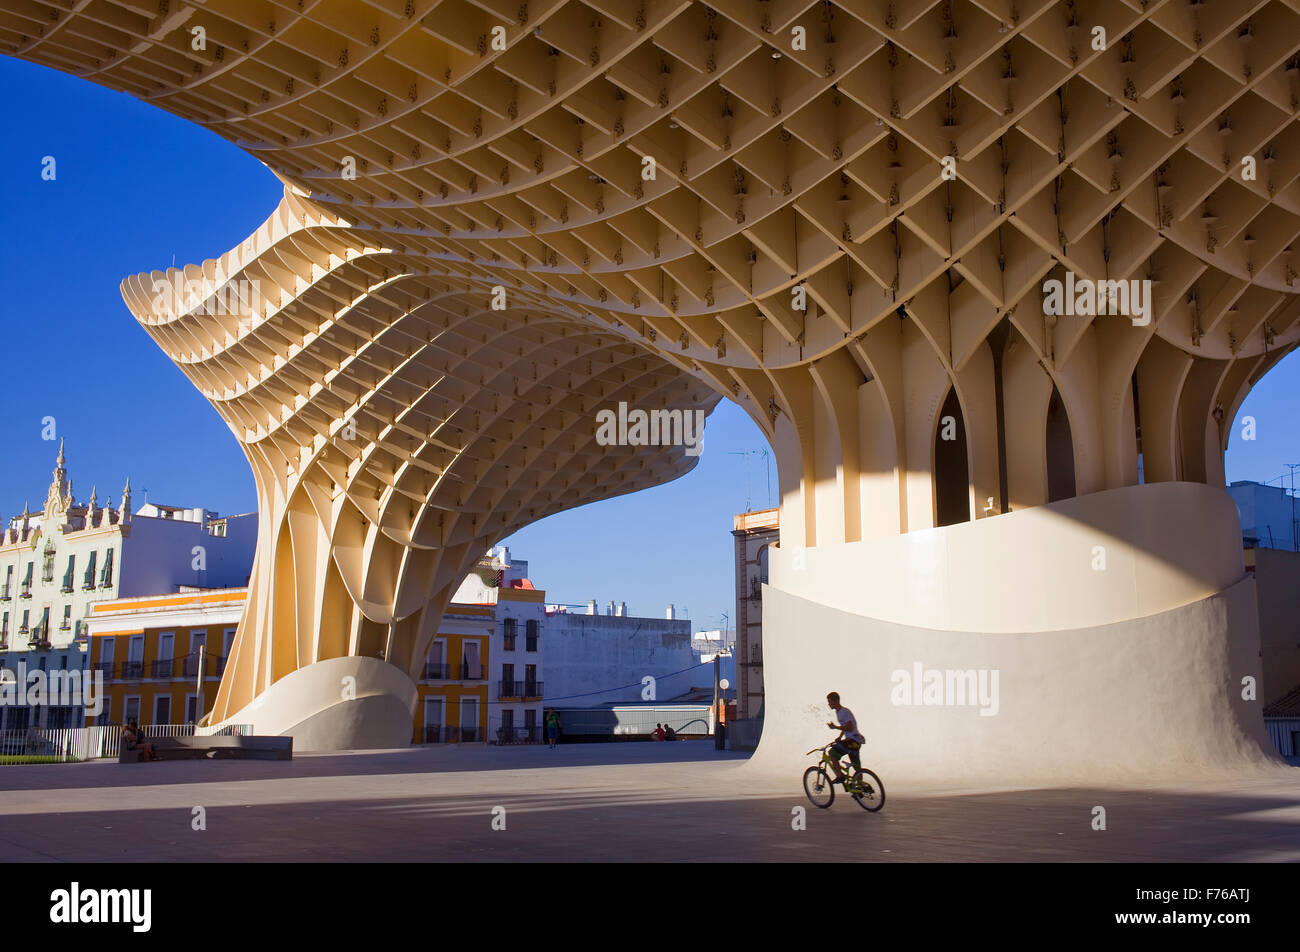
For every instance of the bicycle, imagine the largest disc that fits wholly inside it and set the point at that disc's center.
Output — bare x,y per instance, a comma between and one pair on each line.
819,783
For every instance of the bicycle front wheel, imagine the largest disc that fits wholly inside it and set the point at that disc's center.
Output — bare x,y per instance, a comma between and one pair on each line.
872,797
817,785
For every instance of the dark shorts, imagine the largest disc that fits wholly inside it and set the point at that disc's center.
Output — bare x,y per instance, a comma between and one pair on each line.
839,750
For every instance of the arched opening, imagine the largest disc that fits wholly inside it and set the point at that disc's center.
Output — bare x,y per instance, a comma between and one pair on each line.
1060,450
951,469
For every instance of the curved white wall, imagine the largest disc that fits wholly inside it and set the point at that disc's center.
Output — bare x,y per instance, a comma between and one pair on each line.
1131,673
338,704
1164,545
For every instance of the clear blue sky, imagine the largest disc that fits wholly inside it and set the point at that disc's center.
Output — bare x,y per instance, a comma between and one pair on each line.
137,189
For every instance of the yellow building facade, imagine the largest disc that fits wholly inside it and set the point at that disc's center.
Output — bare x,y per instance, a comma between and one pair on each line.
148,650
454,691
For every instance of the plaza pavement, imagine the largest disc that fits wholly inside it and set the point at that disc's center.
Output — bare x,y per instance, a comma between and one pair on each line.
602,802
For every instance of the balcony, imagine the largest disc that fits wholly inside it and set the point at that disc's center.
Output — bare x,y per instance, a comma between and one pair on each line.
512,689
67,625
162,668
105,668
6,594
67,585
532,690
213,665
433,733
473,672
88,583
131,670
510,641
26,591
528,734
436,672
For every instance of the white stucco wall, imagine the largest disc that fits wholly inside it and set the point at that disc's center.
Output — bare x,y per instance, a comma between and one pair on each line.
586,655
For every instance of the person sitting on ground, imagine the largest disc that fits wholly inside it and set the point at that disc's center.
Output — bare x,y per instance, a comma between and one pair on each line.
132,740
658,732
669,733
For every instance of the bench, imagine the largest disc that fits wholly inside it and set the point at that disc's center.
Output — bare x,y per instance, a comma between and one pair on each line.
215,747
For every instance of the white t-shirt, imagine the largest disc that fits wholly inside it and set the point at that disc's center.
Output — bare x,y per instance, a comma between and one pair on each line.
843,716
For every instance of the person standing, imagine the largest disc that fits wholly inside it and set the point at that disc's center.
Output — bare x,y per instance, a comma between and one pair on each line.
552,727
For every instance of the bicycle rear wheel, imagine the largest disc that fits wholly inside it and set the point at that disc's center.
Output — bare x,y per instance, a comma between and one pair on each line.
817,785
872,797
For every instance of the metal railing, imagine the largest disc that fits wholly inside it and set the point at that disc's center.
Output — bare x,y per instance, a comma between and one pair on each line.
517,735
105,668
473,672
162,668
213,665
532,689
446,734
436,672
131,670
62,743
190,730
512,689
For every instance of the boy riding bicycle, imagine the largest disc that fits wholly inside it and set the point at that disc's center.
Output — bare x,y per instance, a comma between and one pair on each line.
850,739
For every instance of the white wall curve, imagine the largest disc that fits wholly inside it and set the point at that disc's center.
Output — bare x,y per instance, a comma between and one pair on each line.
1162,545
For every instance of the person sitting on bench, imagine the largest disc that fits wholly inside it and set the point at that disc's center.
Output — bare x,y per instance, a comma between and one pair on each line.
131,740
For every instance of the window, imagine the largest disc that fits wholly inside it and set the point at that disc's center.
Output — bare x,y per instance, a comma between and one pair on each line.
132,710
67,618
23,629
7,593
68,576
432,720
507,724
88,579
191,709
530,680
530,635
510,634
162,709
472,670
469,719
106,576
47,564
106,712
508,681
27,581
4,626
433,669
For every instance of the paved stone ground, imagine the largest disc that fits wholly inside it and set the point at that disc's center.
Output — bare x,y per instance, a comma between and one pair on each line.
604,802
